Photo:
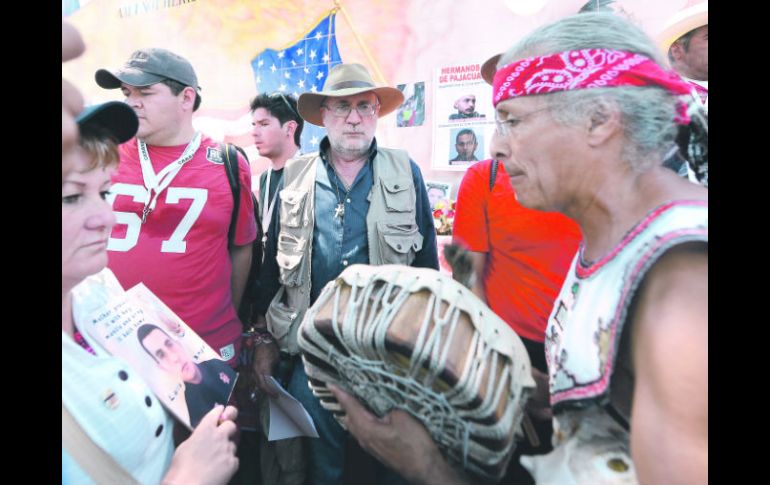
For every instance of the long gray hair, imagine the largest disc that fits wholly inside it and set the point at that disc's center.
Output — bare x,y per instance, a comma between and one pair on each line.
647,113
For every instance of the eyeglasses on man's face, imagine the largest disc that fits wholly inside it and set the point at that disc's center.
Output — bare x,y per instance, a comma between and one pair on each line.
342,109
504,127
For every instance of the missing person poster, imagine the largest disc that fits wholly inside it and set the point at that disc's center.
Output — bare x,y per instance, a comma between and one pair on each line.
463,117
185,374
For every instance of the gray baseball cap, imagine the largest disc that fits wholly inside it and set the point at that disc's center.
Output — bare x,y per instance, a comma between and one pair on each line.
149,66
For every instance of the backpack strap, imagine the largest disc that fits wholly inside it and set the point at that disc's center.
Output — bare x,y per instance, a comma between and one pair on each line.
231,167
493,174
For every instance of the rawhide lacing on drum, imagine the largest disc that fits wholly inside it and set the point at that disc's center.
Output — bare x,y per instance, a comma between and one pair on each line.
414,339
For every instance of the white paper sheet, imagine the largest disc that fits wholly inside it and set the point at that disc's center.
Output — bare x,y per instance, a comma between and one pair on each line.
288,418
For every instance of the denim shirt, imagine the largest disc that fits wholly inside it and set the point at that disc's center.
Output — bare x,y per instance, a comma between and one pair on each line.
339,243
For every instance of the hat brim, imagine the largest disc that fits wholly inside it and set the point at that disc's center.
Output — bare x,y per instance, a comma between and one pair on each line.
309,104
130,76
116,117
489,68
682,22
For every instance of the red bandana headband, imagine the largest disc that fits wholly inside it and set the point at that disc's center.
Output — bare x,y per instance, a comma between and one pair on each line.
584,69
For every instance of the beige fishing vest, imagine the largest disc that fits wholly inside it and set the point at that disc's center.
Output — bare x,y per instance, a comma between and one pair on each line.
391,228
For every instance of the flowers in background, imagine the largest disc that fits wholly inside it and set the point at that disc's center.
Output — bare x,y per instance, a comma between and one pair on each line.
444,216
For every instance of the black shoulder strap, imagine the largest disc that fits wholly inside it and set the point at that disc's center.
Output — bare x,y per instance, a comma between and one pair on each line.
263,183
231,167
493,174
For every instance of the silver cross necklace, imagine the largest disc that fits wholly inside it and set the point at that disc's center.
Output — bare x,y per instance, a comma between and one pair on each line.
339,211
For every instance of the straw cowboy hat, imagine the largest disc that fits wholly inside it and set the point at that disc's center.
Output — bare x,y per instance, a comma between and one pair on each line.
682,22
347,80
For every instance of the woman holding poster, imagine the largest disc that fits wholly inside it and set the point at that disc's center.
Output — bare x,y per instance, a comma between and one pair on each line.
113,427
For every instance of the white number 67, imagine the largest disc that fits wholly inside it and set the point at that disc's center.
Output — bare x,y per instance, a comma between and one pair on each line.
133,223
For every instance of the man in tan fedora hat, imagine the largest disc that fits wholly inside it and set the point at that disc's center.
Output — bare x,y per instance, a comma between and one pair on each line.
353,202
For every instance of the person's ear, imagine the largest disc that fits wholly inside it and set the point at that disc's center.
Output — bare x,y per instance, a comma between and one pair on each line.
677,51
603,122
290,127
188,97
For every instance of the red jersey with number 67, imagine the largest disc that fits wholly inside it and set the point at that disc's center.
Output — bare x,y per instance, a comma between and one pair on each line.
180,252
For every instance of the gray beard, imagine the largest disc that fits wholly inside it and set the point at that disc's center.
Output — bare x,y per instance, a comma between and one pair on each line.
350,153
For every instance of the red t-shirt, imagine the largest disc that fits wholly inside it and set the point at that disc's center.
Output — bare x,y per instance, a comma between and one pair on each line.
181,253
529,251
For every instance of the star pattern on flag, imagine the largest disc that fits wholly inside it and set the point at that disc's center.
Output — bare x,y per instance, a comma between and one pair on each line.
298,68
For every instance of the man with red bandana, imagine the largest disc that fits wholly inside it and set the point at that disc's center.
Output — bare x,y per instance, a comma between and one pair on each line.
578,104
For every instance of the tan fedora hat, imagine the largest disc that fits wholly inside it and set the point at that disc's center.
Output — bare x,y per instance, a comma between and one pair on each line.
347,80
680,23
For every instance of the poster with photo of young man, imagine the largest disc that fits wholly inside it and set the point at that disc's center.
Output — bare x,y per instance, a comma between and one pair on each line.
188,377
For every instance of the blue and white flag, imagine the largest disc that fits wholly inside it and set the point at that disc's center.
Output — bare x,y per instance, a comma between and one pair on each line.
300,68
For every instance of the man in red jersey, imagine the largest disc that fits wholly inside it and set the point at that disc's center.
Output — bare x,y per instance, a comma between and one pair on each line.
174,203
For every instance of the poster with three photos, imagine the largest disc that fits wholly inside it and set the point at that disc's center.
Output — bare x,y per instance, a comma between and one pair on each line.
463,117
187,376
